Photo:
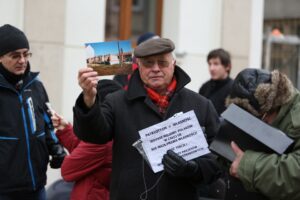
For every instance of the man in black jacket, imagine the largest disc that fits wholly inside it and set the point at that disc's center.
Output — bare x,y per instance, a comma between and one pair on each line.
219,86
26,132
156,92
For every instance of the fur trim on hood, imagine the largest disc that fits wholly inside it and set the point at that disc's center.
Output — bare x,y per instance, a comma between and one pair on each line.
269,95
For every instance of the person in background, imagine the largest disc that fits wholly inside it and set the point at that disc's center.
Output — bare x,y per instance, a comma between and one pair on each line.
219,86
272,98
88,165
124,79
156,92
59,190
26,133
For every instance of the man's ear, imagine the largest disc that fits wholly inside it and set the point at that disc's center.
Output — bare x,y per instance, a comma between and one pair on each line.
138,61
228,68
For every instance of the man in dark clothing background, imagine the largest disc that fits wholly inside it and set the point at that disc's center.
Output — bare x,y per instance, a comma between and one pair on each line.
26,132
219,86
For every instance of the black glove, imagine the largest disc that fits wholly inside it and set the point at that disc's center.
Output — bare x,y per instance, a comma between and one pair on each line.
58,154
56,161
176,166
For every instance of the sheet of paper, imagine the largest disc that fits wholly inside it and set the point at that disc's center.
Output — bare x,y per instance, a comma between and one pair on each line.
182,134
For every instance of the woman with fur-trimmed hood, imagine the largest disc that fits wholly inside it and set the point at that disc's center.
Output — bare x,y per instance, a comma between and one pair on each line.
272,98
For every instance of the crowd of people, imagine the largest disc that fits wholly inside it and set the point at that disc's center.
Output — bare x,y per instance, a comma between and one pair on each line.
102,163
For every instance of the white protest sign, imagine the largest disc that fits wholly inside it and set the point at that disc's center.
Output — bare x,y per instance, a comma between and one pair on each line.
182,134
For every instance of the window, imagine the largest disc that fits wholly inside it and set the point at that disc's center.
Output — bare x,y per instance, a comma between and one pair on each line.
128,19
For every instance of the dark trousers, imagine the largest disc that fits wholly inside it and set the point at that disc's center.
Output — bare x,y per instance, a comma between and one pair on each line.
36,195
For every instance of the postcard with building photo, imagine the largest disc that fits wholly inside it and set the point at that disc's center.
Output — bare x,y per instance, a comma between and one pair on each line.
110,58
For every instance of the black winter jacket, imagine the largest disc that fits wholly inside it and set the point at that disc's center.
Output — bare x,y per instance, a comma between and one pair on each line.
122,115
23,135
217,91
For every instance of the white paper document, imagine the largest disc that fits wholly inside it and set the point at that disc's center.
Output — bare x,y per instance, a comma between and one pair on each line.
182,134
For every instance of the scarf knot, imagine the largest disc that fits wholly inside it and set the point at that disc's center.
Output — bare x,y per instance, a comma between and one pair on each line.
162,101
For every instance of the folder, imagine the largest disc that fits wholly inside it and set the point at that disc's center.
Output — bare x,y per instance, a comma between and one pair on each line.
249,133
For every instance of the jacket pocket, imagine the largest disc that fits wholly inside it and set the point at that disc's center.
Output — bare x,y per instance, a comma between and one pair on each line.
9,153
40,134
130,184
8,145
8,138
39,152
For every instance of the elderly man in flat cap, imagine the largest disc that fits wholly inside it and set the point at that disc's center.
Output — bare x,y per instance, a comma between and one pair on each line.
156,92
26,137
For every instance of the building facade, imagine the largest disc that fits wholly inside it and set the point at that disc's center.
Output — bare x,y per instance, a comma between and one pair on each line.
58,29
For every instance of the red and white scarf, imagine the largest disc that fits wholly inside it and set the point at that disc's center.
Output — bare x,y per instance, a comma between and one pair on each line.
162,101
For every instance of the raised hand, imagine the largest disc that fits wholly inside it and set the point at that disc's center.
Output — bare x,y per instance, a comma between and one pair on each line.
87,80
58,121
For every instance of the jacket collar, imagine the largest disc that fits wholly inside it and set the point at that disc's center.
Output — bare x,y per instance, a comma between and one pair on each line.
26,81
136,86
286,108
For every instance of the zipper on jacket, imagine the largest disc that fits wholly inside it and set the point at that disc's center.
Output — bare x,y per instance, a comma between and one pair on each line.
27,143
32,119
26,133
19,94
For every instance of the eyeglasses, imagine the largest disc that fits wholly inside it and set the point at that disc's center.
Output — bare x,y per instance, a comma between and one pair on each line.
18,56
151,63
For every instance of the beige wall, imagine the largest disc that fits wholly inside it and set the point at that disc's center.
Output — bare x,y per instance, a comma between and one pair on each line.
235,32
44,26
241,32
11,12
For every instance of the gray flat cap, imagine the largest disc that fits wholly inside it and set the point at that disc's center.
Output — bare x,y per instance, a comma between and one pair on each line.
153,47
